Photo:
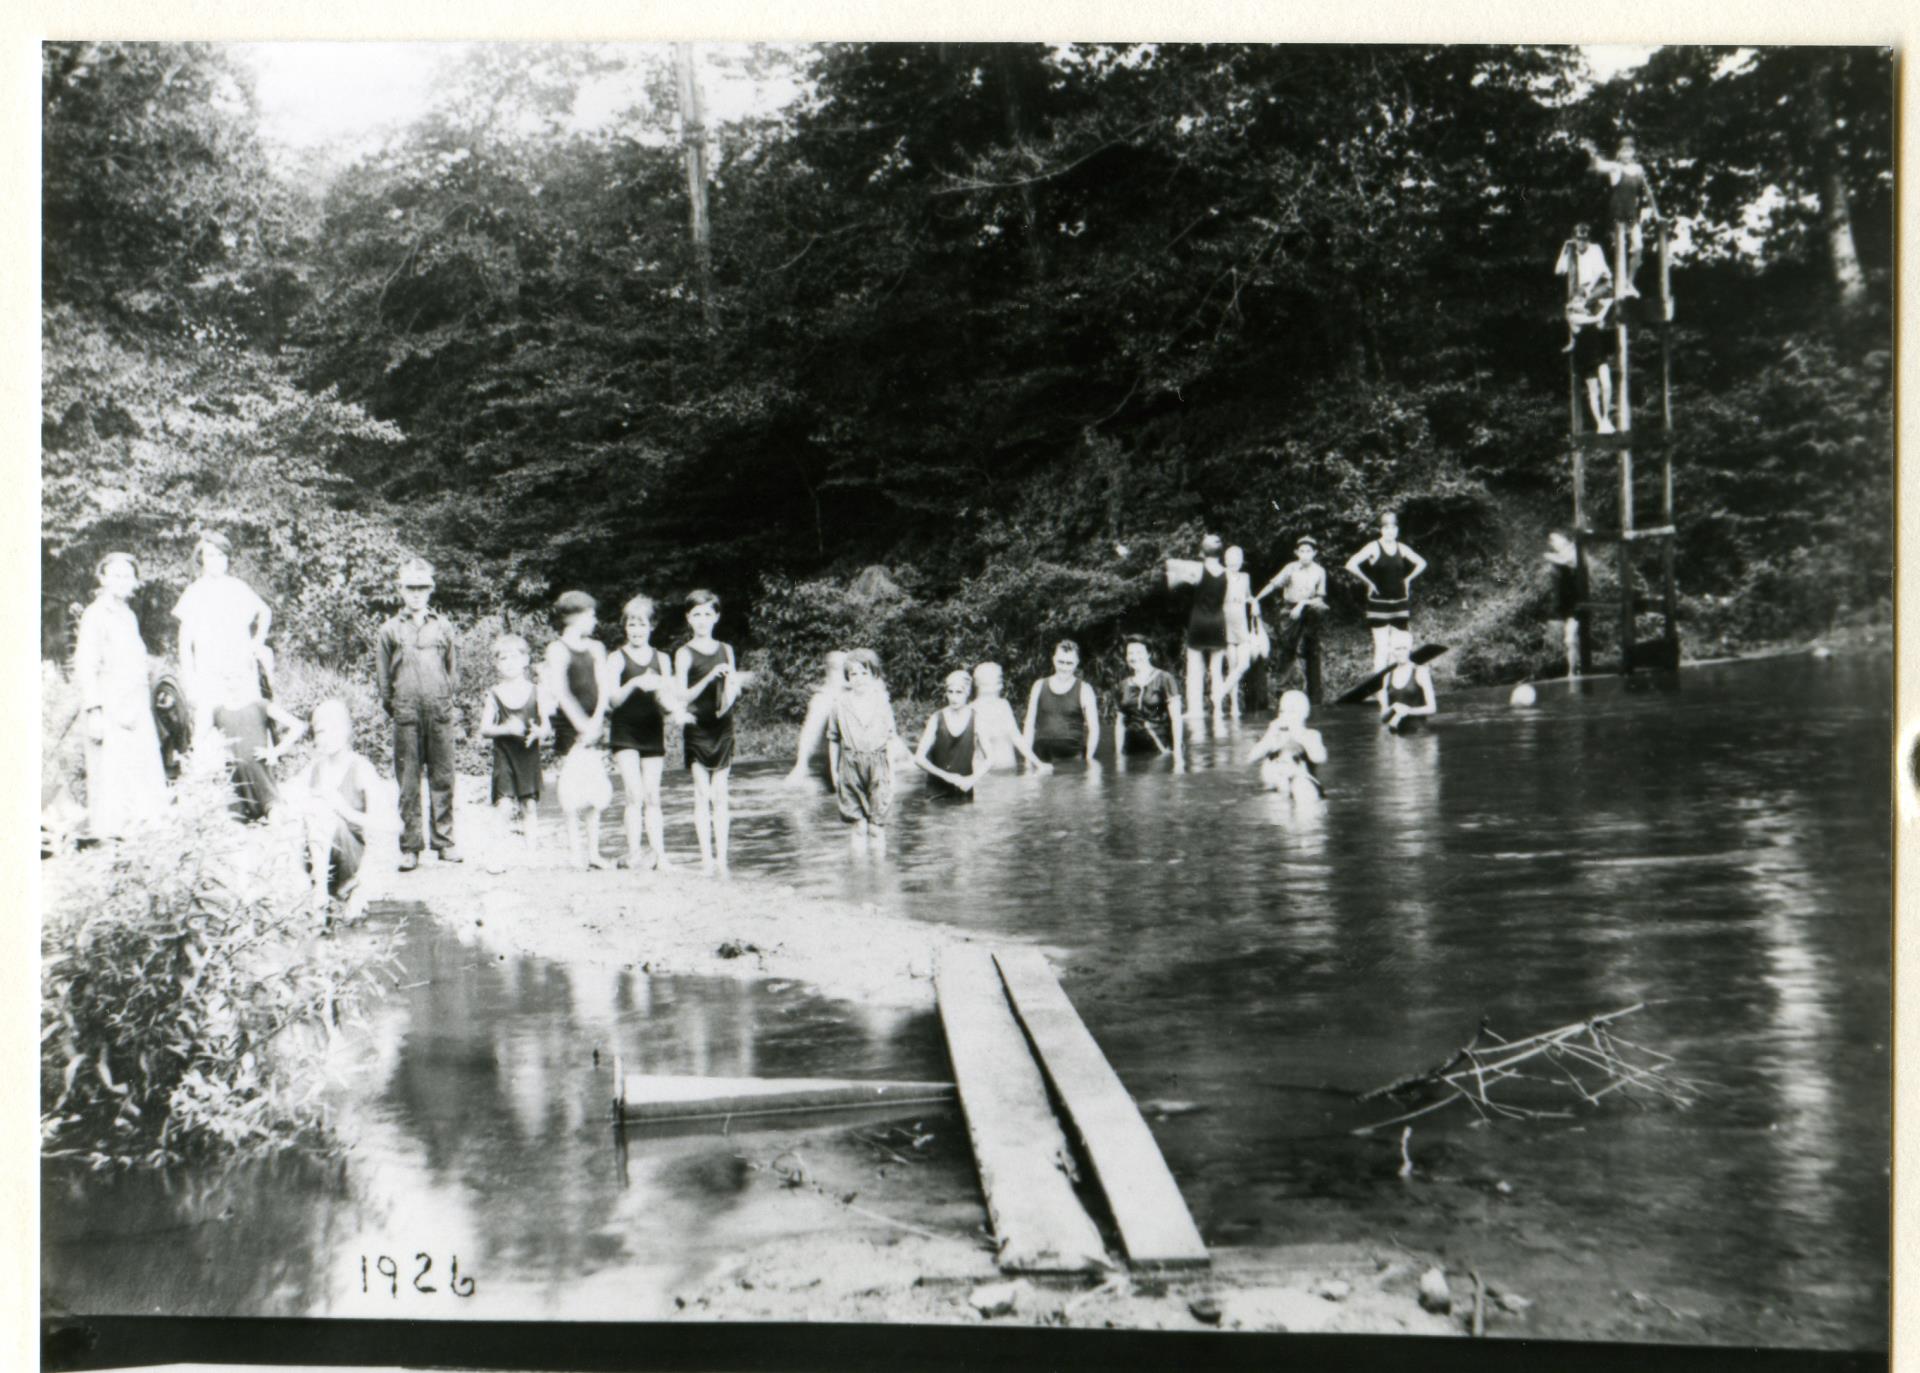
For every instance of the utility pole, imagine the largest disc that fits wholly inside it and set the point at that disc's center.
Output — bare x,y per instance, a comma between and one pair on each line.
693,141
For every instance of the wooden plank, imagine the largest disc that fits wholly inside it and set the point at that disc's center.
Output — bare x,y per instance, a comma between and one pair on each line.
1621,439
1155,1226
1026,1167
645,1096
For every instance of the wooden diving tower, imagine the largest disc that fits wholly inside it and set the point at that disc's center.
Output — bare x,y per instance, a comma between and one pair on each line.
1661,654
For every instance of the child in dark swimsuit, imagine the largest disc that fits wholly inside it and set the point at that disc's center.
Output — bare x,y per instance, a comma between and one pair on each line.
511,718
576,663
709,682
952,752
639,691
1406,696
1564,558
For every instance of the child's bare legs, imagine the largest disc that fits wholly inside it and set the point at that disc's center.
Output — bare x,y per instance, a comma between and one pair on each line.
878,833
1382,646
1217,680
527,813
722,817
627,763
594,860
1571,632
859,837
1196,675
505,812
574,850
656,821
703,814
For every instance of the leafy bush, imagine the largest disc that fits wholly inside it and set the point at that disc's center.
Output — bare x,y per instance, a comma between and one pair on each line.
185,995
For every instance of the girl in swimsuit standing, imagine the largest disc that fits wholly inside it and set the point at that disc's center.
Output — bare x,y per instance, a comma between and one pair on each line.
575,663
1388,567
638,689
1207,630
709,683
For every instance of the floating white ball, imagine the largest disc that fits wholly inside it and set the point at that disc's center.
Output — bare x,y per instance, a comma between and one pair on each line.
1523,695
1822,651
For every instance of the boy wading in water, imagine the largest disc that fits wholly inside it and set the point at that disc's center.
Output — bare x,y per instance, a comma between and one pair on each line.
511,718
859,732
709,683
1302,585
1289,752
1564,560
414,668
952,752
576,664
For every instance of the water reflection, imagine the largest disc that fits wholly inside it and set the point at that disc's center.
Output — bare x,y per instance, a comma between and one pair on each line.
1719,853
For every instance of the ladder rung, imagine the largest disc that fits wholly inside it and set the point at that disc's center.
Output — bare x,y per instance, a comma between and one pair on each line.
1658,531
1613,443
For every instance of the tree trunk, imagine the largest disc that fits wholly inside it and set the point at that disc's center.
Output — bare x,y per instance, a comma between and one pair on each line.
693,140
1836,205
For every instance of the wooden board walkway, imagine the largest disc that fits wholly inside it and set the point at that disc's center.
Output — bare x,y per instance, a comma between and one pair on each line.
1155,1226
1025,1164
649,1097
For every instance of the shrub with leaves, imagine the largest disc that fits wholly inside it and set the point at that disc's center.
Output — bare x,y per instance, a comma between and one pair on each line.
187,994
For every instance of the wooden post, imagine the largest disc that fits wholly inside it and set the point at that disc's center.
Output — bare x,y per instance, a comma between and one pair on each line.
693,142
1624,384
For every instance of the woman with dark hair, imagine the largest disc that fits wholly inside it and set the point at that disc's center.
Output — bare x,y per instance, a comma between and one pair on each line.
1146,718
1388,567
125,780
1207,629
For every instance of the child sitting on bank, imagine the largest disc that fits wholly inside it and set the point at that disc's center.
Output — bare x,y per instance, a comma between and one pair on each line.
341,798
952,752
859,733
1289,752
999,730
512,718
576,662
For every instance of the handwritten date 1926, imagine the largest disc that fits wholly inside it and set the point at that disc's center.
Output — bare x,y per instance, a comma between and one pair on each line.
385,1267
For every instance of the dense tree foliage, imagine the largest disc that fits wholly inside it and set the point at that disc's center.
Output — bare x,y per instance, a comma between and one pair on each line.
1012,321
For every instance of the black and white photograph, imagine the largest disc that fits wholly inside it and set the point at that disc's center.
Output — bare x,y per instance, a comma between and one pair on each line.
1222,690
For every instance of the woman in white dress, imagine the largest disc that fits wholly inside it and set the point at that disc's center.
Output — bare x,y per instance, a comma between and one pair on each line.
125,781
223,634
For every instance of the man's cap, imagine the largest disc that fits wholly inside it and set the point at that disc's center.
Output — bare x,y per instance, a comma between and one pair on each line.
1307,541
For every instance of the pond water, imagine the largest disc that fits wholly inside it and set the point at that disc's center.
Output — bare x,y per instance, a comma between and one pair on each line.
1720,853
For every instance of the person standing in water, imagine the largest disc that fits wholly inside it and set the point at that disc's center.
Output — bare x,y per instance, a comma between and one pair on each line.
1063,718
576,669
639,684
1406,695
1207,631
1388,567
1289,752
1563,558
1239,612
709,682
860,736
1302,585
810,755
1146,717
999,731
952,752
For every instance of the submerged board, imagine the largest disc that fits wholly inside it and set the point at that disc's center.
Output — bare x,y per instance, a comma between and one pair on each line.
1370,684
643,1096
1026,1168
1155,1226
